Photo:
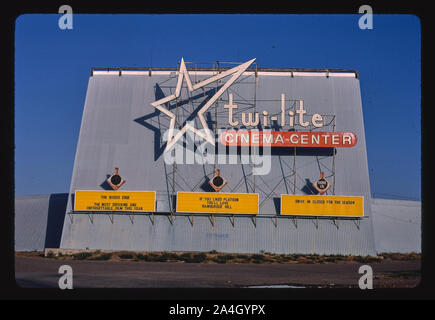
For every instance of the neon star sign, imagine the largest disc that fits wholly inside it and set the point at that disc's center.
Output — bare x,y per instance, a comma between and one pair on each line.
236,72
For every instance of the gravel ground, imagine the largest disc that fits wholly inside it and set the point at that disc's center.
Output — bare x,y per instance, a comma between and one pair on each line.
40,272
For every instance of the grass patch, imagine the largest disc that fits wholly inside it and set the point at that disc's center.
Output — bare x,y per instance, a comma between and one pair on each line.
82,255
228,256
288,257
242,256
223,258
403,274
186,257
152,257
159,258
330,259
219,257
139,256
200,257
169,256
258,257
367,259
401,256
104,256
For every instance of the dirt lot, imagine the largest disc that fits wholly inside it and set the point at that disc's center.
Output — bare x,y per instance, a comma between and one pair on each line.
110,271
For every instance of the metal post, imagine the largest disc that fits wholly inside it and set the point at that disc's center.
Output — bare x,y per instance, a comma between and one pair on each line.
295,222
333,164
316,222
216,121
174,167
294,171
357,223
255,109
131,218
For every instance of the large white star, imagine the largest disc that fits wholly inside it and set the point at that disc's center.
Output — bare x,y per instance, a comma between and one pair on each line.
238,71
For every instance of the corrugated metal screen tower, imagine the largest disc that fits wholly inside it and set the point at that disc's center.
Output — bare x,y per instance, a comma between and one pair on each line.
135,143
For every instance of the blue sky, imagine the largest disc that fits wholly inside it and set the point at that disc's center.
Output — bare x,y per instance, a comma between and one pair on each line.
52,68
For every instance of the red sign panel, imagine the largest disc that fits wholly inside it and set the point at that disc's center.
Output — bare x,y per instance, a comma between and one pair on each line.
288,139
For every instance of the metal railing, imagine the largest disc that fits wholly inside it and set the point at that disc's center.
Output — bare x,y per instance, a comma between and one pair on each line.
220,68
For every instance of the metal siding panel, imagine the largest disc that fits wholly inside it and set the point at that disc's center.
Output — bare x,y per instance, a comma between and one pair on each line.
31,214
397,225
223,237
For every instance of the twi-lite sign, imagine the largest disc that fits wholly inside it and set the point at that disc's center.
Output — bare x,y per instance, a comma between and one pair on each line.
249,119
237,203
270,138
